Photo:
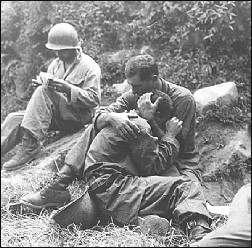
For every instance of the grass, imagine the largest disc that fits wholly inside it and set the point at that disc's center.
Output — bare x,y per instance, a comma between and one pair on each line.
24,228
35,230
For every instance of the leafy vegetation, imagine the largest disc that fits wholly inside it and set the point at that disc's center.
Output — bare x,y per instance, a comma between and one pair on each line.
198,43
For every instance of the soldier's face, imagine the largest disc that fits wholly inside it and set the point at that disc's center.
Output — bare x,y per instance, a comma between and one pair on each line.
140,87
161,119
66,55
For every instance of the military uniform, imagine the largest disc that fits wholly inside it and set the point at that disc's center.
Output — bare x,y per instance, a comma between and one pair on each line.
50,110
124,177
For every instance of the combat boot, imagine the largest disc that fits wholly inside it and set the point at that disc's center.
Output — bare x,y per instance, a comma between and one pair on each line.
28,150
55,194
197,228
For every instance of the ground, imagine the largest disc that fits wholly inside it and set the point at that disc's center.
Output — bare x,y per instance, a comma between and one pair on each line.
225,159
224,165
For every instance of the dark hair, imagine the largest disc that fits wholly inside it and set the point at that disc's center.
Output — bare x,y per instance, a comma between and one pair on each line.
143,65
165,106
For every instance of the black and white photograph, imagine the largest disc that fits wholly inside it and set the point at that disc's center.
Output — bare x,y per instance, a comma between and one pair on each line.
125,123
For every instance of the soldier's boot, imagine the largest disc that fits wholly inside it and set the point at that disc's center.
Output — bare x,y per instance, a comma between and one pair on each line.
197,228
28,150
55,194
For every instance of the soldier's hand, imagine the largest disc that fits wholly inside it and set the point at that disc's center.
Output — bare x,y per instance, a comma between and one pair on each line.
59,85
173,127
146,108
123,125
35,83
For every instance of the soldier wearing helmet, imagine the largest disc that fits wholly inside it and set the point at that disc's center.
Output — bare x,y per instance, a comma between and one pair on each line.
65,101
62,36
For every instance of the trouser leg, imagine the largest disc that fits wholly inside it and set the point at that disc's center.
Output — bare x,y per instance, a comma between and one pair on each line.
173,197
11,131
126,197
65,176
38,114
48,110
10,141
76,156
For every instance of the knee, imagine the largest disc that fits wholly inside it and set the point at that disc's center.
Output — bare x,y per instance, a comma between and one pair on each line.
12,119
39,90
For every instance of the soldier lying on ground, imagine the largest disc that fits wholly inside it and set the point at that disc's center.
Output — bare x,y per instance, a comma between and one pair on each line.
66,101
124,175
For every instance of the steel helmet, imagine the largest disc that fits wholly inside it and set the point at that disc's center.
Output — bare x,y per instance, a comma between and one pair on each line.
82,211
62,36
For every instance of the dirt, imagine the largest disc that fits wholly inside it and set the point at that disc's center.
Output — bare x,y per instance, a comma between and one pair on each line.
225,159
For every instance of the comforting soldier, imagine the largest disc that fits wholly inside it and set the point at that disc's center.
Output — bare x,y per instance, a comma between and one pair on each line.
124,176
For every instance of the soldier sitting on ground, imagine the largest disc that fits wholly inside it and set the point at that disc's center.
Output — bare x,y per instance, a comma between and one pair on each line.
66,101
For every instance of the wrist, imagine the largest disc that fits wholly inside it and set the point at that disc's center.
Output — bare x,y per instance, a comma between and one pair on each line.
152,122
68,91
172,140
103,120
170,135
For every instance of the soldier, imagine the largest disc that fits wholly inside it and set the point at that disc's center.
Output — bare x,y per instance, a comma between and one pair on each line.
142,74
66,101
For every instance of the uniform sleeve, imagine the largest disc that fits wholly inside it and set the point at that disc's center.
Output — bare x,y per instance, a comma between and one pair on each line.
87,93
153,156
126,102
188,158
52,67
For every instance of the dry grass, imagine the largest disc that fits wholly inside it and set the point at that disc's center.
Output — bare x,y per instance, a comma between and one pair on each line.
35,230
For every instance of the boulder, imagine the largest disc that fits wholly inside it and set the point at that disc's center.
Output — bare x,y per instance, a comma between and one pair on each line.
122,87
224,93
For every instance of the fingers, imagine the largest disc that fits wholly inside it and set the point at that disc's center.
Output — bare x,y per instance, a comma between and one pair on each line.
35,84
54,85
134,128
145,98
175,119
177,122
126,134
129,131
157,102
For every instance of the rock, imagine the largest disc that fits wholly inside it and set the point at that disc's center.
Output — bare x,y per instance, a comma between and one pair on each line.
122,87
146,50
121,56
225,93
153,225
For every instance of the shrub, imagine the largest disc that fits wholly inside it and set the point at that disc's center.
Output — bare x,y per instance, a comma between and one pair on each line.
198,43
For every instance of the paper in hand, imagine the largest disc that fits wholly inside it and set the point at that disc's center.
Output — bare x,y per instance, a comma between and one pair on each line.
43,78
